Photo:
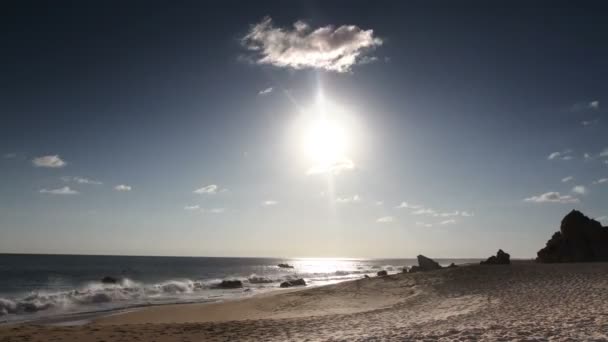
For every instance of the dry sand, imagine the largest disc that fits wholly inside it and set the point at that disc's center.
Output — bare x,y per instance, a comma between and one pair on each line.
522,302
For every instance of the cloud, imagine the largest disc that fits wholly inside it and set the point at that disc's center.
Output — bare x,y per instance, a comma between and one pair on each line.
581,106
53,161
327,48
405,205
601,181
604,153
579,189
449,214
265,91
215,210
354,199
10,156
466,214
586,156
589,122
423,224
594,104
564,155
60,191
81,180
450,221
552,197
269,203
386,219
334,168
211,189
192,207
379,203
122,187
567,179
602,218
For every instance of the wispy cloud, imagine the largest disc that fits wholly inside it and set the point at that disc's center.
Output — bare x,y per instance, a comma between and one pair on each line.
353,199
589,105
192,207
405,205
269,203
424,211
265,91
604,153
601,181
122,187
589,122
53,161
80,180
567,179
215,210
450,221
334,168
466,214
563,155
386,219
327,48
552,197
210,189
379,203
579,189
424,224
9,156
60,191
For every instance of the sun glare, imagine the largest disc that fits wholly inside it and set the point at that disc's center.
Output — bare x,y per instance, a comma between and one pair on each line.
325,142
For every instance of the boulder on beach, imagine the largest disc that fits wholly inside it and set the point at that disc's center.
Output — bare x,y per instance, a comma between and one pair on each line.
285,266
109,280
382,273
427,264
414,269
294,282
580,239
452,265
501,258
230,284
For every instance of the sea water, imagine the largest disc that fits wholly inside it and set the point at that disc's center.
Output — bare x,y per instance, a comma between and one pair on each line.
47,287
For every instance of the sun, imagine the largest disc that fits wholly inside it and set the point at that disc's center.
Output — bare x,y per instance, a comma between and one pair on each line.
325,142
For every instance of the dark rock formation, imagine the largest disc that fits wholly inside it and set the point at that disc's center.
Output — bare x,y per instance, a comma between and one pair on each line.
415,269
285,266
382,273
295,282
427,264
501,258
452,265
109,280
230,284
580,239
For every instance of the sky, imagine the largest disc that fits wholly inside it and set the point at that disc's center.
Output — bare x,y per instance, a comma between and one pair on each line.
373,130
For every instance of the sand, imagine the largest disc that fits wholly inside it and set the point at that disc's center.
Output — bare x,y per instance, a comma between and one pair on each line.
522,302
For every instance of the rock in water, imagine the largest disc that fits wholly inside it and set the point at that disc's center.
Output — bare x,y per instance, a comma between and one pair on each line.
501,258
285,266
295,282
580,239
382,273
109,280
230,284
427,264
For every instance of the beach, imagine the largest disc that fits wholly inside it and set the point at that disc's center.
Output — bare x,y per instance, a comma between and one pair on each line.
523,301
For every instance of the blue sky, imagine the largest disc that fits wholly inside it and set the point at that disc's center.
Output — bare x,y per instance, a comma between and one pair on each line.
447,129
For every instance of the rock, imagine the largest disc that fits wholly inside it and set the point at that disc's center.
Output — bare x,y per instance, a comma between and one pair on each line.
109,280
580,239
295,282
382,273
427,264
501,258
414,269
285,266
404,269
452,265
366,276
230,284
260,280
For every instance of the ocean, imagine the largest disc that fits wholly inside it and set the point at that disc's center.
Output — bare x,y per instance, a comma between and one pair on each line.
66,287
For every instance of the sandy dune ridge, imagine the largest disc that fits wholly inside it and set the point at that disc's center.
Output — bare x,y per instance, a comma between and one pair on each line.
523,302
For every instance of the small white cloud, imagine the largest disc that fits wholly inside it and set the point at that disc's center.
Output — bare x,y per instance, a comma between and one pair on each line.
405,205
379,203
582,106
604,153
424,224
353,199
192,207
211,189
327,48
589,122
579,189
552,197
587,156
424,211
602,218
563,155
53,161
449,214
386,219
450,221
269,203
265,91
567,179
61,191
601,181
122,187
334,168
215,210
466,214
81,180
594,104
